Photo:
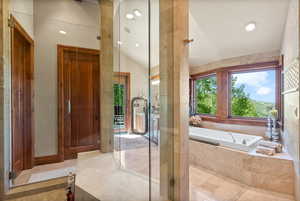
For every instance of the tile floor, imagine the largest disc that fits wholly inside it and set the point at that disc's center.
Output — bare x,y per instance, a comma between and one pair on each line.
45,172
101,176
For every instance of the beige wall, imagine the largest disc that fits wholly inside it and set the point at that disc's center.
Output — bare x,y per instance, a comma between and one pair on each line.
290,50
81,22
138,73
22,10
247,59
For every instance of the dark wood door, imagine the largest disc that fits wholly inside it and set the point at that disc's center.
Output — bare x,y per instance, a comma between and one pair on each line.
22,96
80,73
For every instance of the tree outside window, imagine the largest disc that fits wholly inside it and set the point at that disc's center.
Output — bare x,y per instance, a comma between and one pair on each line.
253,93
206,95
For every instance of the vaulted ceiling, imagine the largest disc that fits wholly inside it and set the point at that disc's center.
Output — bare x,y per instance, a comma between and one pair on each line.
217,27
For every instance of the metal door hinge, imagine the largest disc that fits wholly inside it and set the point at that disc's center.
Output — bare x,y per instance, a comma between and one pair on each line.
11,23
12,175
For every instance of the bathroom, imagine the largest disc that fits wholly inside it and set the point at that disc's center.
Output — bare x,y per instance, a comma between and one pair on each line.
243,88
209,112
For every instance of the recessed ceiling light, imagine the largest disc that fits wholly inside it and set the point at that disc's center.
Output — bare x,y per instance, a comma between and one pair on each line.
251,26
62,32
137,12
129,16
137,45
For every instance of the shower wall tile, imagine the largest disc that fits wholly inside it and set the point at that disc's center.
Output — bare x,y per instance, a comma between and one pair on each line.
290,50
106,76
257,171
174,82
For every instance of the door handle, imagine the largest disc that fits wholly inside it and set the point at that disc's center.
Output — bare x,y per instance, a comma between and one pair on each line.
69,107
143,103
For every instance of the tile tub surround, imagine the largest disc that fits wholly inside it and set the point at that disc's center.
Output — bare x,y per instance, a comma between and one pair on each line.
232,140
52,190
269,173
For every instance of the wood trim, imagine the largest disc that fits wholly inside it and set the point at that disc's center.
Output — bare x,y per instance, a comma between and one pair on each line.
250,122
18,26
28,139
222,94
258,66
61,107
42,160
223,103
80,49
128,99
155,77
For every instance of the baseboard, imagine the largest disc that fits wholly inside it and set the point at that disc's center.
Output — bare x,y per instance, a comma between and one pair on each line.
42,160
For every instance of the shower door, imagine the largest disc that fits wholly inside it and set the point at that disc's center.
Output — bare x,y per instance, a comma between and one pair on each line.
136,149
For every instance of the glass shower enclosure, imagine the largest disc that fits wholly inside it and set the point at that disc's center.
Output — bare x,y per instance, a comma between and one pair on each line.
136,93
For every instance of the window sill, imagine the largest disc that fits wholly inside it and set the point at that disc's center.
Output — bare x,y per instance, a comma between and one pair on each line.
240,121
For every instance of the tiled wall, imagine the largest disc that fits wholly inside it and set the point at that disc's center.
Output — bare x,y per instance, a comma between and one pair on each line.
290,50
261,172
246,129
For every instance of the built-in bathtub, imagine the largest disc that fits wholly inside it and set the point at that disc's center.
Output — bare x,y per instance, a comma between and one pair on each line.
232,140
216,151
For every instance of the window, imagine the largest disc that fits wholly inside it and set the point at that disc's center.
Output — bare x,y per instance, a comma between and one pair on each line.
253,93
238,94
119,105
206,95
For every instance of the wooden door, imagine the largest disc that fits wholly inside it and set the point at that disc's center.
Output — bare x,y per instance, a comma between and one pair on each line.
79,69
22,99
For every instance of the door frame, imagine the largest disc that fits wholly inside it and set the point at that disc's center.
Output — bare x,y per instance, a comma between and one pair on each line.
29,138
61,105
126,75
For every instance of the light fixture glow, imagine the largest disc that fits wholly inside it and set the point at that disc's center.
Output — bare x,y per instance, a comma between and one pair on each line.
119,42
251,26
129,16
62,32
155,82
137,12
137,45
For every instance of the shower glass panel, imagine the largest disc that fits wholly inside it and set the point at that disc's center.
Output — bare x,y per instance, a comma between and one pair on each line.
136,108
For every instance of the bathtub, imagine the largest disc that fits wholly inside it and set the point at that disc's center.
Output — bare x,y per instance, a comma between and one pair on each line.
242,142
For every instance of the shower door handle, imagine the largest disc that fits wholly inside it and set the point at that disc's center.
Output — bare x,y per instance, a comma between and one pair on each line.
139,116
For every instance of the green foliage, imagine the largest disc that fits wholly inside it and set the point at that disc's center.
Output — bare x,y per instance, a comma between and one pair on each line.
206,95
241,103
243,106
119,97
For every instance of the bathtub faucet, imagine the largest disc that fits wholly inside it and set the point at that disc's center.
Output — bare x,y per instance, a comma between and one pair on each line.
233,139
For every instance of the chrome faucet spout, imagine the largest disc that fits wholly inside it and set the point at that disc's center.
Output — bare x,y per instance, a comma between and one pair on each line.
233,139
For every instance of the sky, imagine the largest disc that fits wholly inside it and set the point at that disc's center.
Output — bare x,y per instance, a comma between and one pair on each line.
260,85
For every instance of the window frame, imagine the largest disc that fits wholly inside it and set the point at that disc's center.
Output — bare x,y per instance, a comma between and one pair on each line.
223,110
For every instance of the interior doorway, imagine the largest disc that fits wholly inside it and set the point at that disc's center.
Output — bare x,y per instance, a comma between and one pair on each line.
79,100
122,117
22,50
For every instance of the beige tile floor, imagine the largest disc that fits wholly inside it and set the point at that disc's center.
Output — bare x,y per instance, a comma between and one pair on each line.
102,177
42,172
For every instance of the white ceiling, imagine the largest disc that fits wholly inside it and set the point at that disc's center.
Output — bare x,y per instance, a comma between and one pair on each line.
217,27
